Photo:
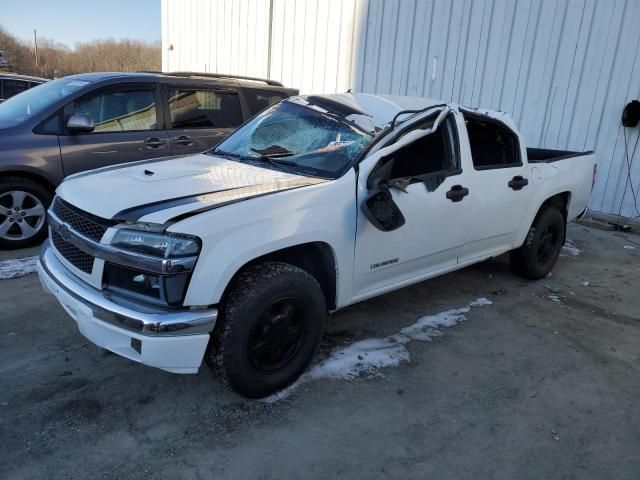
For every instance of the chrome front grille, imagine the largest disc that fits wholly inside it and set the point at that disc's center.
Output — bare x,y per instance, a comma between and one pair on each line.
76,257
82,222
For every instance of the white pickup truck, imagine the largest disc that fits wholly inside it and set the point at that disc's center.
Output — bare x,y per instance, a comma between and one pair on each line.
237,255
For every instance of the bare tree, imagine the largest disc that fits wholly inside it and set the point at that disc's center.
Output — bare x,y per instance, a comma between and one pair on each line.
56,60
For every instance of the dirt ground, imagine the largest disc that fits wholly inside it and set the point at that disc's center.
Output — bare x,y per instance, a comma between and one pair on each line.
544,383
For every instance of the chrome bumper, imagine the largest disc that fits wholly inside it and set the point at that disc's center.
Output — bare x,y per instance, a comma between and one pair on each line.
125,314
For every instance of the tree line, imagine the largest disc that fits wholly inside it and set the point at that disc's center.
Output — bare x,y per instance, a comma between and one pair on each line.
57,60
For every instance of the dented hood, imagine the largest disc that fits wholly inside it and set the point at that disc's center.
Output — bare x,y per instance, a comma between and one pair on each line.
168,189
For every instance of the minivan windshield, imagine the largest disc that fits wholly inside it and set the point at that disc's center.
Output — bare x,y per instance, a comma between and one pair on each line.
299,138
30,103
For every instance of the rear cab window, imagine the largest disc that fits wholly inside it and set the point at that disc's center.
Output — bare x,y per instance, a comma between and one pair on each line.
493,144
203,108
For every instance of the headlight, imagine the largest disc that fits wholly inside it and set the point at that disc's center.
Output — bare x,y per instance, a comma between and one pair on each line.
156,244
162,279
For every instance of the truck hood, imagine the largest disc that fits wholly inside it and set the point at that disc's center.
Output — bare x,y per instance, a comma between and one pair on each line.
168,189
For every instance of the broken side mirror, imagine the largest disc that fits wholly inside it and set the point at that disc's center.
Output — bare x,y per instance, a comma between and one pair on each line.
379,207
382,211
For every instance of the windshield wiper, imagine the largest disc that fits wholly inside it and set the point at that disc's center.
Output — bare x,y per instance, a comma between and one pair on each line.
274,154
263,157
273,151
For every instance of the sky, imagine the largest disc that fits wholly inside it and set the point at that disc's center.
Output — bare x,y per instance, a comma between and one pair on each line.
71,21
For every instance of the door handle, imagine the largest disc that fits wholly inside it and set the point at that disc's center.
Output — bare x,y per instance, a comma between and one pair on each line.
183,141
518,182
457,193
154,142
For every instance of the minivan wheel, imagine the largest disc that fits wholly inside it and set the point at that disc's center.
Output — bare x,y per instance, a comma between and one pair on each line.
23,212
268,329
538,255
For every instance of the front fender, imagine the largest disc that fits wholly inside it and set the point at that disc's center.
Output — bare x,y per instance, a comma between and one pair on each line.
236,234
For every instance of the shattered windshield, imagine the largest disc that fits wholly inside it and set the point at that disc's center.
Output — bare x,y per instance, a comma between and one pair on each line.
298,138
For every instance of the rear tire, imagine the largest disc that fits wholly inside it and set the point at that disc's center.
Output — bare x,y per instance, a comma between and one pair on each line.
23,206
268,329
537,257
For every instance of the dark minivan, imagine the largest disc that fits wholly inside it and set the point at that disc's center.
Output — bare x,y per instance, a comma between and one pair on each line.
92,120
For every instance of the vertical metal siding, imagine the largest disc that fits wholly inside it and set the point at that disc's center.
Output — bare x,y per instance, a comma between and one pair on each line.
564,69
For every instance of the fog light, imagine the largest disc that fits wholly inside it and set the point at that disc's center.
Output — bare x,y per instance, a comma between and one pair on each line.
165,289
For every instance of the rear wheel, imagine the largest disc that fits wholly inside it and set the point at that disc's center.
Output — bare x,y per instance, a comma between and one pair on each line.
269,327
23,211
536,258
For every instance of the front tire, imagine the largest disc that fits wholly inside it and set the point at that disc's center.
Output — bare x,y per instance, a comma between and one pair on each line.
537,257
269,327
23,212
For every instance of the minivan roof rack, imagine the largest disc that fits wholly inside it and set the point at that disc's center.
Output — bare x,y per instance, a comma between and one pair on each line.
224,75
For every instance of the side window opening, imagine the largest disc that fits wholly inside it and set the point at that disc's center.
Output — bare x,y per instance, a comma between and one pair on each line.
429,159
493,145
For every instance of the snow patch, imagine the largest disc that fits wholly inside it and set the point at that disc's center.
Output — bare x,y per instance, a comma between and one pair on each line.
17,267
367,357
629,247
569,249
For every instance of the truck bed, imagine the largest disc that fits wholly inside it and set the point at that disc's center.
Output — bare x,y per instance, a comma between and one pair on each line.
543,155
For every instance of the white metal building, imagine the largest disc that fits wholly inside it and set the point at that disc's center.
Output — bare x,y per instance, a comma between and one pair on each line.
564,69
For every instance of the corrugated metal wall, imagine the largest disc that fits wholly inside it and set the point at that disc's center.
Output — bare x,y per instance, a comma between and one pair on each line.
563,68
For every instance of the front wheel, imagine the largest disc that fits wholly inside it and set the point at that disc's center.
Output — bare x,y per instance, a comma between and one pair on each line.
538,255
23,212
269,327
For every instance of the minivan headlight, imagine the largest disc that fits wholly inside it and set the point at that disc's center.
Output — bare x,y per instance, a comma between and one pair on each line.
156,244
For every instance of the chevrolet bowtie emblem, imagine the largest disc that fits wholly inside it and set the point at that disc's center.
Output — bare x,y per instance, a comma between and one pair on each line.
64,233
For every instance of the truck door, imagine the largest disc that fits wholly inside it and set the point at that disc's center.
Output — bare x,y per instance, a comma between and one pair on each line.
500,184
199,118
413,207
126,128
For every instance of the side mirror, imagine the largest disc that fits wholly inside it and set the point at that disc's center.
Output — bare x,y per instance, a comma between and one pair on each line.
382,211
80,123
379,207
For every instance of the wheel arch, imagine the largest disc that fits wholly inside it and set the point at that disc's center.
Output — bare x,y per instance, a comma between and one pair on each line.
30,175
560,201
316,258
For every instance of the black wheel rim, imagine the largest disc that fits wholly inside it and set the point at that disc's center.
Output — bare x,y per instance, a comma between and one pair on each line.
547,246
277,335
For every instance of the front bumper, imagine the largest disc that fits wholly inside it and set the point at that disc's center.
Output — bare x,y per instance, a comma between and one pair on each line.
171,340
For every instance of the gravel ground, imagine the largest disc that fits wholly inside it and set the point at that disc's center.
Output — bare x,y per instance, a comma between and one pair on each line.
542,383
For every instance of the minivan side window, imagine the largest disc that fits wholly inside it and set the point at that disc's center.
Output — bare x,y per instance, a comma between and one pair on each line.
120,110
204,109
258,100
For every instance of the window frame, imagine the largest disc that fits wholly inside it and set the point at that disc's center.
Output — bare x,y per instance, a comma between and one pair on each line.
432,180
69,108
488,119
168,87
